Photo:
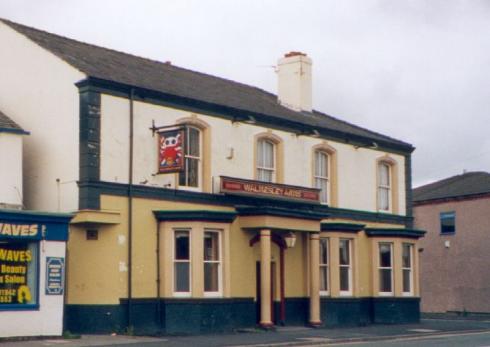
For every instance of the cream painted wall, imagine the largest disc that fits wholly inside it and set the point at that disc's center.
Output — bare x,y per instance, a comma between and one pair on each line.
48,320
356,167
37,91
11,177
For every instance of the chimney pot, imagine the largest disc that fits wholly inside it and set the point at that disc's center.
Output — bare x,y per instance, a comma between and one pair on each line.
293,54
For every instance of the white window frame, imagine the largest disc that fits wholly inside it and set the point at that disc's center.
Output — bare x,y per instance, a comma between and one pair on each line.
175,261
410,269
188,156
391,268
218,293
261,154
326,266
348,266
384,187
318,178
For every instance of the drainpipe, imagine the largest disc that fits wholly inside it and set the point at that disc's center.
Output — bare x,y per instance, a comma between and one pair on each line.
130,206
159,305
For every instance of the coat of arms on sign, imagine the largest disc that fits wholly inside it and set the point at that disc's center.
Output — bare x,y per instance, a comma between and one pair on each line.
171,151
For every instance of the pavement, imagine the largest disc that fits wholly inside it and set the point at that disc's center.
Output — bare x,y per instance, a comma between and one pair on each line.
282,336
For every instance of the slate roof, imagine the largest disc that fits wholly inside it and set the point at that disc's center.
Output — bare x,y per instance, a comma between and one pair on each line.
467,184
111,65
7,124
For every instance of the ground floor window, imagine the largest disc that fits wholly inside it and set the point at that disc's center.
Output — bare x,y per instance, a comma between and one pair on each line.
212,262
345,266
19,274
182,262
386,268
324,283
407,266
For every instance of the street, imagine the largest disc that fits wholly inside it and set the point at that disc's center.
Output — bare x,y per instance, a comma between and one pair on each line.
429,332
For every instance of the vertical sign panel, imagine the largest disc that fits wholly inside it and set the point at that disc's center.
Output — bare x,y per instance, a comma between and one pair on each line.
55,275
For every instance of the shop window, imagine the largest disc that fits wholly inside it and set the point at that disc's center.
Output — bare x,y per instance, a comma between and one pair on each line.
191,176
448,222
345,266
407,266
385,268
324,253
266,152
322,175
212,263
19,266
182,263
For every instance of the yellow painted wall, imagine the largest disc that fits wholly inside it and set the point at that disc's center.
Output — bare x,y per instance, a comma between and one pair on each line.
98,269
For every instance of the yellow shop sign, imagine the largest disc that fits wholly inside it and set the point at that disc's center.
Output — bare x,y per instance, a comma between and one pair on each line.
20,230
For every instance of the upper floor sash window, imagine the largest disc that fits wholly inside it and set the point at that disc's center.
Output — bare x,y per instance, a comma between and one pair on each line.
191,176
266,169
321,175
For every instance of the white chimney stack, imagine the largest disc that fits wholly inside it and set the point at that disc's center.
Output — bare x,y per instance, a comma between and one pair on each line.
294,81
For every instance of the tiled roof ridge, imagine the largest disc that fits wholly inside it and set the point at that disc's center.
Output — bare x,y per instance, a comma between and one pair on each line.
359,127
422,193
7,123
266,97
14,24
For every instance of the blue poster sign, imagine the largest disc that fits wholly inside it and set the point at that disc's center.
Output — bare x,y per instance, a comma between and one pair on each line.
55,275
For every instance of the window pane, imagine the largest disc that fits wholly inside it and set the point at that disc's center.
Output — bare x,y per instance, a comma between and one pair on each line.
344,279
448,220
384,198
321,164
323,185
264,175
323,251
344,256
211,246
384,175
324,278
19,273
211,273
193,144
407,255
182,245
182,277
192,172
407,288
385,280
385,255
269,155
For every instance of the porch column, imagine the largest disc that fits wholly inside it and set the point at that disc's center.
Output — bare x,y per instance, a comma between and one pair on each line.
265,278
315,279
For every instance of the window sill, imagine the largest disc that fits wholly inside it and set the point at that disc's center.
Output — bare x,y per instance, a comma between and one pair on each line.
182,294
212,295
345,294
19,307
386,294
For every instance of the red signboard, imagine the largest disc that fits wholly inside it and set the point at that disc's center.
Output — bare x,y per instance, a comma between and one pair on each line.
171,151
232,185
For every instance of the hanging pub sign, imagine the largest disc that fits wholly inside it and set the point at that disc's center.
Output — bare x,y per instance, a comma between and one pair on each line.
171,150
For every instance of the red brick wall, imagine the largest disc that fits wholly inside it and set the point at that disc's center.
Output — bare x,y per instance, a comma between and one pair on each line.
455,278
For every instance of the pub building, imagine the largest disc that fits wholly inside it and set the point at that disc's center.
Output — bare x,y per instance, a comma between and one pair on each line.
206,205
32,251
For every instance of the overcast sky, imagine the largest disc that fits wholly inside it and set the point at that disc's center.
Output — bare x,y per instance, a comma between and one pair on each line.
415,70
